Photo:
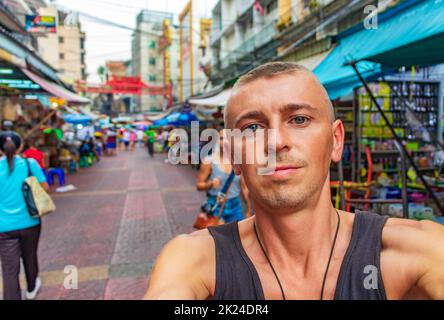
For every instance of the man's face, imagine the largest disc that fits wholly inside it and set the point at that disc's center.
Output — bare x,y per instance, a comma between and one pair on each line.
297,107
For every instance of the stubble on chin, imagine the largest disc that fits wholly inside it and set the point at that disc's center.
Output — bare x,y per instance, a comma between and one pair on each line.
281,195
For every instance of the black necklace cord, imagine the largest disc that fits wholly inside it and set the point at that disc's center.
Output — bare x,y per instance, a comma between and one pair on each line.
328,264
269,261
331,255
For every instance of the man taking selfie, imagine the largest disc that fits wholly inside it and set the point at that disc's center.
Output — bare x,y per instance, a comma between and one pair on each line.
297,245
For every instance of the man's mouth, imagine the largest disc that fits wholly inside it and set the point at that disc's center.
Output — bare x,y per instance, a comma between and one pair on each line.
282,170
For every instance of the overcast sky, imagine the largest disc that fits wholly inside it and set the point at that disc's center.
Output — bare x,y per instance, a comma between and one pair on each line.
112,43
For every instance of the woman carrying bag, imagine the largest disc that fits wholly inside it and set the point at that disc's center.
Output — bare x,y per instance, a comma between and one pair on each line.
212,177
19,232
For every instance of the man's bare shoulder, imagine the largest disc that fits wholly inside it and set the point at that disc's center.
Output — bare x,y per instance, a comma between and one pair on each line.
410,234
195,245
413,254
184,268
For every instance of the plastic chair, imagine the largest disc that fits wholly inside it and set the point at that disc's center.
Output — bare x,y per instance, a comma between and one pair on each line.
59,173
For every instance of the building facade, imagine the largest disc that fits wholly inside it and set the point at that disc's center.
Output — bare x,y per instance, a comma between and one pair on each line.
64,49
169,49
247,33
240,27
147,58
195,56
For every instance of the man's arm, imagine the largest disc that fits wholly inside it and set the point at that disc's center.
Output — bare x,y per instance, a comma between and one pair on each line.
414,256
431,250
184,269
203,184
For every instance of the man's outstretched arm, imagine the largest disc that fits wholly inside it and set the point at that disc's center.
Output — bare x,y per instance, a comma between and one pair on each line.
180,272
431,248
416,251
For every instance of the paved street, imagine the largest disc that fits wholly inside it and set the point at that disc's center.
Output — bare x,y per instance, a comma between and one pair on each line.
114,225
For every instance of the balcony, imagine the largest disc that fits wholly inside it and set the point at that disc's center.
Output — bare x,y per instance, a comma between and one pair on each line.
261,37
228,60
242,6
266,34
215,35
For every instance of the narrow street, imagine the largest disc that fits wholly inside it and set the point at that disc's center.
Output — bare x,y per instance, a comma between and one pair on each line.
114,225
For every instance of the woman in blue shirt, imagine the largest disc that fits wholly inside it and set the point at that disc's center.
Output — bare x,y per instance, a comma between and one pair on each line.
19,232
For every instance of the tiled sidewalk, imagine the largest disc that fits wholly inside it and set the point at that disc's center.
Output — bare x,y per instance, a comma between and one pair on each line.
114,226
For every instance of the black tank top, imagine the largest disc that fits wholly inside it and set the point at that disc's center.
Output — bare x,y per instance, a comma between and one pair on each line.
359,277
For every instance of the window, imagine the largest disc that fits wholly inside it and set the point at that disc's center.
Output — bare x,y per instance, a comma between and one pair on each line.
152,44
152,78
61,40
62,56
272,6
152,61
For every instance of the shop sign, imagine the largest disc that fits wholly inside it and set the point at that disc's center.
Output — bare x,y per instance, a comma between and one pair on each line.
40,24
19,84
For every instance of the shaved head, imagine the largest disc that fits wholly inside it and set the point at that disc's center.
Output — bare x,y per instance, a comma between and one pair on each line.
274,69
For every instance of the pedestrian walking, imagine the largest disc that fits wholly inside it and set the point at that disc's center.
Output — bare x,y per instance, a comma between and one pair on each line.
133,139
111,142
151,138
126,139
19,232
140,135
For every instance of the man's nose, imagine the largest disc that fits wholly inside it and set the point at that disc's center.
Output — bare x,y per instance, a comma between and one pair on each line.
278,137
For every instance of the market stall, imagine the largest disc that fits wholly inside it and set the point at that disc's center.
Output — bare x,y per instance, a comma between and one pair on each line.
394,121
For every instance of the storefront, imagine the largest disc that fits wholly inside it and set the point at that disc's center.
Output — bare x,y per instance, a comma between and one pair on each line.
391,112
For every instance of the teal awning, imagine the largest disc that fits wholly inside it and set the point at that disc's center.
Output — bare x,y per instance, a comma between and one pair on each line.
411,33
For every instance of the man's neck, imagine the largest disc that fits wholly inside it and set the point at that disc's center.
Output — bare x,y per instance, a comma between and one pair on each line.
300,237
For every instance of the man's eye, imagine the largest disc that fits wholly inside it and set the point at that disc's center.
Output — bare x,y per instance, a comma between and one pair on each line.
300,120
252,127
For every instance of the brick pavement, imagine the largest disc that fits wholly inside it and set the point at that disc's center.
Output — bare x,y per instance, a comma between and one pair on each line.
113,227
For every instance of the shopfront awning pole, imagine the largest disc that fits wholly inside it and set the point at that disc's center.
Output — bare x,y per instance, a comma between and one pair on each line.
395,136
341,190
405,200
36,127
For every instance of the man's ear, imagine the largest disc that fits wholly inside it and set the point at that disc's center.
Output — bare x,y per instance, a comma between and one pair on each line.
338,141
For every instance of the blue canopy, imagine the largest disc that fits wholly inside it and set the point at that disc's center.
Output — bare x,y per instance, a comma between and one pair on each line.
177,119
77,119
411,33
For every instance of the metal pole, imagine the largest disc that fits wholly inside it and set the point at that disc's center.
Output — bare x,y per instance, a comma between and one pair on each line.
341,191
37,126
405,199
392,130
